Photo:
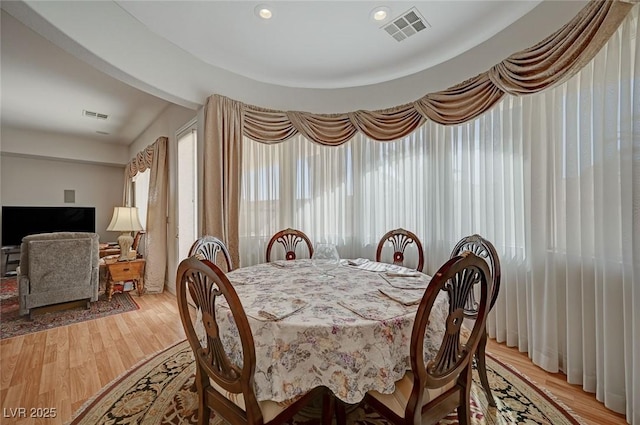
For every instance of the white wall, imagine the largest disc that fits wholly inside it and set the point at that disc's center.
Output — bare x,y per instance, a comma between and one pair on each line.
41,182
167,124
46,145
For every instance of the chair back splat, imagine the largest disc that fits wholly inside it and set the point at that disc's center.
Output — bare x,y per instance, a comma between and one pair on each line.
400,239
485,250
289,239
208,247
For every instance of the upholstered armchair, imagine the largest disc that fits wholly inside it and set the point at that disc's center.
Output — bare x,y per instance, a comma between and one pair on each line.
57,268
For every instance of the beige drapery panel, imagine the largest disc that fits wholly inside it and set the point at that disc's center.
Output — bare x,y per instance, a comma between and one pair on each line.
548,63
222,158
154,158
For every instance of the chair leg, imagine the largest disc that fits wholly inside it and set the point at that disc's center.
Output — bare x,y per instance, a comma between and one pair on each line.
341,413
328,407
482,368
204,412
464,408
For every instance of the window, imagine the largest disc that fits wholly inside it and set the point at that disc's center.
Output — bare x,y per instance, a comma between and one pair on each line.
187,189
141,195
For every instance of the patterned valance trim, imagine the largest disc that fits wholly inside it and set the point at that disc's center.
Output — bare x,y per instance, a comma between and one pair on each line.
143,159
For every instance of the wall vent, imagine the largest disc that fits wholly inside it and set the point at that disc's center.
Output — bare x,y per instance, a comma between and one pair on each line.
406,25
69,196
95,115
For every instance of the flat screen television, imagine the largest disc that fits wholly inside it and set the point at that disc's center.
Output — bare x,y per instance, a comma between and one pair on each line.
18,222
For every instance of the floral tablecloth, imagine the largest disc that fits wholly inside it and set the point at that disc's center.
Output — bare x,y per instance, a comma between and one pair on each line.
340,332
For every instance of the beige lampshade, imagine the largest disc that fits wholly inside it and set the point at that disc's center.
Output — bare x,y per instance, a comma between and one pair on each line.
125,219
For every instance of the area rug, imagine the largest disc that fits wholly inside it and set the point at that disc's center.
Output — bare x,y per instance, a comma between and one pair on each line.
158,391
12,324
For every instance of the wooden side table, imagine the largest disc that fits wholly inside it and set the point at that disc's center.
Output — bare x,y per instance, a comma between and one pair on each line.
7,252
118,271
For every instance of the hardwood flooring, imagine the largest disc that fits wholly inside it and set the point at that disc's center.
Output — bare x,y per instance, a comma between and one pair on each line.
582,403
62,368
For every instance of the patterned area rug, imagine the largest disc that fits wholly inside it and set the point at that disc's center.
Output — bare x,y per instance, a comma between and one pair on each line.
158,391
12,324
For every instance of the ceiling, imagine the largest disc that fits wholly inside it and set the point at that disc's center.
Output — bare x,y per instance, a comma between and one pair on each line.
46,89
132,59
323,44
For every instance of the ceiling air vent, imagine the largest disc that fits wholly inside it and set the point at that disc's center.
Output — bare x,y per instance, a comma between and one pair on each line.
408,24
95,115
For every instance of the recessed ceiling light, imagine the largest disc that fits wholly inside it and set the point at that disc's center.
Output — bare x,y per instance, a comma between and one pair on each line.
380,13
263,11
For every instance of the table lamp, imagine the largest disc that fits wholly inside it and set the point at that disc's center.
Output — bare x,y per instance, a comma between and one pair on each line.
125,220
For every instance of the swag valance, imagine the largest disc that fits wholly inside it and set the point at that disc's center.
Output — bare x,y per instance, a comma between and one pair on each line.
142,160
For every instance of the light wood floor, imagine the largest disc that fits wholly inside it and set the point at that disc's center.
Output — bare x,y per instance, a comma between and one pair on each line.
64,367
580,402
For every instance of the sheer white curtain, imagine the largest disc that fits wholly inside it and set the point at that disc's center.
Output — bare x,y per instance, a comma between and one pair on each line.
552,179
141,194
347,195
585,225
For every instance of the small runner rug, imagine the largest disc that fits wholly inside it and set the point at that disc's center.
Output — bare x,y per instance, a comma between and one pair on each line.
158,391
12,324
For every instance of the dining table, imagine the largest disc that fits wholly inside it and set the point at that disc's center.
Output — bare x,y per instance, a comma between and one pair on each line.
348,329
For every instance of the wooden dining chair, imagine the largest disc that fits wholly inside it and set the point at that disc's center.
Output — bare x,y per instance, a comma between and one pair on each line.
225,386
137,240
400,240
485,250
289,239
208,247
436,386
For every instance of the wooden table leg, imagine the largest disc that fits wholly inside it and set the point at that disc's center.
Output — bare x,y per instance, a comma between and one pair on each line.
140,286
109,288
